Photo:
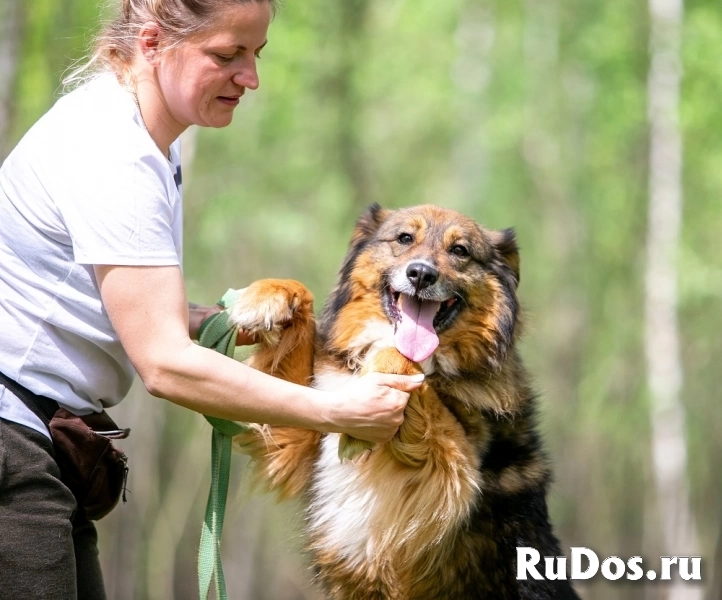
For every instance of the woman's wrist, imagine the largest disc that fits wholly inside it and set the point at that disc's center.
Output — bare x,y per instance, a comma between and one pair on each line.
318,412
198,313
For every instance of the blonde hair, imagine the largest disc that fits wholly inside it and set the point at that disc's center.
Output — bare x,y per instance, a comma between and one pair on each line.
114,47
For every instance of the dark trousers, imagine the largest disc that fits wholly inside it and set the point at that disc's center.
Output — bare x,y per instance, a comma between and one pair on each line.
44,553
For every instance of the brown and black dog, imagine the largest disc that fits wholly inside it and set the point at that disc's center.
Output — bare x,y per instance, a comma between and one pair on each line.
438,512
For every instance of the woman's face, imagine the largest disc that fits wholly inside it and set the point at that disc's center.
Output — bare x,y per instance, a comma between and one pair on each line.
202,79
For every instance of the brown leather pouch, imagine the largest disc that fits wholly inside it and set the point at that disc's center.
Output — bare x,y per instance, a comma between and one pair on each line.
94,470
90,465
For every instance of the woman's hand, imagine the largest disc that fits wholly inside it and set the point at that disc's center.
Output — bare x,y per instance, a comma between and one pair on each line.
371,407
199,313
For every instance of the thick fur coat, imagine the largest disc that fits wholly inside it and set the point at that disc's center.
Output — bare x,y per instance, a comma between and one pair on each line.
438,512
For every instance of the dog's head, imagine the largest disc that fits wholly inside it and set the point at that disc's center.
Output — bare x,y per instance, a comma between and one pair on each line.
432,280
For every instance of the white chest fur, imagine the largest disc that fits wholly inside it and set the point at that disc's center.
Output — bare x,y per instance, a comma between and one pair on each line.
342,510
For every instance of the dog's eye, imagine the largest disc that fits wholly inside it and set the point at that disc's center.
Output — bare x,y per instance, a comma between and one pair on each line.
460,251
405,238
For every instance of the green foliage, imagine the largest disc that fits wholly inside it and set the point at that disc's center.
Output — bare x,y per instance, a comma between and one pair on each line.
518,113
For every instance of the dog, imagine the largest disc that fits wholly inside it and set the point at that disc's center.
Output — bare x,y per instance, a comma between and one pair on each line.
440,510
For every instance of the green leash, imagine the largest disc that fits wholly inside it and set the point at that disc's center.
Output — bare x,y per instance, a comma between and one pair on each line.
217,333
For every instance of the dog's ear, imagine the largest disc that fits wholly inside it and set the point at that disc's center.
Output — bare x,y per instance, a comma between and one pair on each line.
505,243
368,223
366,226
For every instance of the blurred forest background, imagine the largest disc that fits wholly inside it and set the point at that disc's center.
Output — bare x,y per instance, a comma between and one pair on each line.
593,128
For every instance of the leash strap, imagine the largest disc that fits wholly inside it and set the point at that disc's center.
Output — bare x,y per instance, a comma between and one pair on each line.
217,333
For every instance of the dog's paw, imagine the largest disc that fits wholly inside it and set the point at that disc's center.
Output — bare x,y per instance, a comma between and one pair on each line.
268,306
390,360
253,441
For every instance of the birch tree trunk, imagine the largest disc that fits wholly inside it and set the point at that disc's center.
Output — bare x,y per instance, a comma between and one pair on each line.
661,339
11,34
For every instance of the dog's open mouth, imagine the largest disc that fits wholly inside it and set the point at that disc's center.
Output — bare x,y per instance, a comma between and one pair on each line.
417,323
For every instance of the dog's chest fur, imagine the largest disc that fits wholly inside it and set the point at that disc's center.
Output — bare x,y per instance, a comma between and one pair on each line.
341,512
342,505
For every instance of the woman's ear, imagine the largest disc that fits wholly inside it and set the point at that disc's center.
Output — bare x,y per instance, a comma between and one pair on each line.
149,41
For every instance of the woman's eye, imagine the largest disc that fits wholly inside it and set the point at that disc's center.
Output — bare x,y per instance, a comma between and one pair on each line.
405,238
224,59
460,251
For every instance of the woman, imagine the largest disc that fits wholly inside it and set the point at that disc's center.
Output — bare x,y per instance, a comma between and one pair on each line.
91,288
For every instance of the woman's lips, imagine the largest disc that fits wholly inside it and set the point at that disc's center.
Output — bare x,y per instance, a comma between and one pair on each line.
229,100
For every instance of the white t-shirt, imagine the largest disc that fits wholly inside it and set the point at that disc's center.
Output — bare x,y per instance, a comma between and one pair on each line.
86,185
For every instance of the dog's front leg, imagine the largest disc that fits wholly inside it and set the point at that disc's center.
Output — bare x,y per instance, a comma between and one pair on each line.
429,431
279,315
425,480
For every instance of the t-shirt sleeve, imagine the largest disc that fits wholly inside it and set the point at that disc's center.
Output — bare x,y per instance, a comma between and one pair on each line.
121,211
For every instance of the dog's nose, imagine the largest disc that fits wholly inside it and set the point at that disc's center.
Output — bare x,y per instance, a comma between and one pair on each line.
421,275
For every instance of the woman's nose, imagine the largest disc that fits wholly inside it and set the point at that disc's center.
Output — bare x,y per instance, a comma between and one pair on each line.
247,76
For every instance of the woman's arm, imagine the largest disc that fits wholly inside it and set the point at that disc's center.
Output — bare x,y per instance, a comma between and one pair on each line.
149,310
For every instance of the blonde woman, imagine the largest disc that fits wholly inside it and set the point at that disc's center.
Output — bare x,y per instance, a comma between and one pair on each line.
91,288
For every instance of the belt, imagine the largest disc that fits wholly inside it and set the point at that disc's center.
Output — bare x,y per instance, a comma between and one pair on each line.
43,407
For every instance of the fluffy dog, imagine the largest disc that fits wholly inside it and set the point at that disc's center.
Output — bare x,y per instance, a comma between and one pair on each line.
438,512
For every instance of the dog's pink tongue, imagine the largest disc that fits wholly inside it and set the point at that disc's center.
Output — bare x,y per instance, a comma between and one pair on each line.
415,337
